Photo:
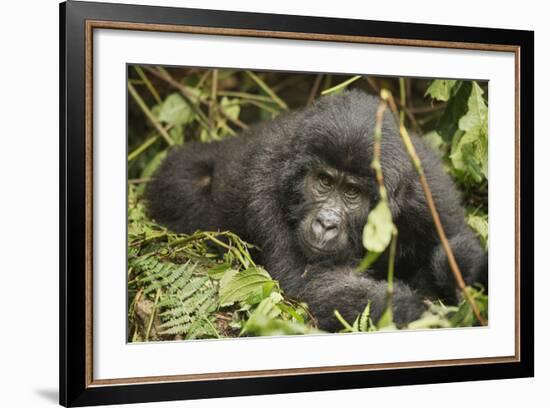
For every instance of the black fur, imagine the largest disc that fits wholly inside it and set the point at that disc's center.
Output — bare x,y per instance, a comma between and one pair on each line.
253,186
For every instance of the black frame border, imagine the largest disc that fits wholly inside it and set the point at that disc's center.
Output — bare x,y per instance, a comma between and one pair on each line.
73,388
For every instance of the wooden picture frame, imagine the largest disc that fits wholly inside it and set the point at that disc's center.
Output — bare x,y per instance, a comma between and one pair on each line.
78,20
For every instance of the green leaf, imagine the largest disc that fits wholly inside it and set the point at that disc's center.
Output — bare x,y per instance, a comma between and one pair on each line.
455,109
477,114
241,286
441,89
469,156
218,271
231,107
480,224
470,151
175,110
177,135
378,231
364,322
266,319
368,260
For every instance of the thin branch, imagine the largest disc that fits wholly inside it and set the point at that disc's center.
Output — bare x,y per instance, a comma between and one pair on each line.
148,84
341,85
189,97
267,89
343,321
152,317
245,95
213,97
314,89
376,163
409,114
142,180
143,147
377,166
387,96
402,100
150,115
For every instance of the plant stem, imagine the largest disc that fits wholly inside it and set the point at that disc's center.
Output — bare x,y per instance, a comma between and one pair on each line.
343,321
411,117
244,95
403,98
136,152
148,84
386,95
391,269
213,97
314,89
150,115
267,89
376,162
142,180
189,97
152,318
341,85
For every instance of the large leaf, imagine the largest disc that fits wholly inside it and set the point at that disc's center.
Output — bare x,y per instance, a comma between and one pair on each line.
231,107
477,110
378,231
175,110
455,109
243,285
441,89
470,152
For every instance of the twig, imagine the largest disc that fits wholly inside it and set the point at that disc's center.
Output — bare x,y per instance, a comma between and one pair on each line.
143,180
245,95
409,114
427,109
267,89
150,115
152,318
391,269
341,85
387,96
148,84
376,163
189,97
136,152
314,89
343,321
377,166
403,99
213,97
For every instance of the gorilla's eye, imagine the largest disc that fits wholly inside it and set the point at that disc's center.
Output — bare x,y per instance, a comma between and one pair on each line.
325,180
352,192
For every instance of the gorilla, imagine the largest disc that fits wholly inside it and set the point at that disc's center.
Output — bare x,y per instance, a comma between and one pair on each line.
300,187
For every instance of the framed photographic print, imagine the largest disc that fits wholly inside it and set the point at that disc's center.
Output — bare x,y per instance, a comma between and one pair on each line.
255,203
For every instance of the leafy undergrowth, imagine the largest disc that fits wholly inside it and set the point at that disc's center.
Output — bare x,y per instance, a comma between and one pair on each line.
206,285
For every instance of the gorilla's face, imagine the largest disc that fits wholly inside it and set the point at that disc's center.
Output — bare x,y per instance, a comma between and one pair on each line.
336,206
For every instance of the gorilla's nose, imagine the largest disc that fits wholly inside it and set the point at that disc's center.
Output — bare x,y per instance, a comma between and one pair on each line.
326,225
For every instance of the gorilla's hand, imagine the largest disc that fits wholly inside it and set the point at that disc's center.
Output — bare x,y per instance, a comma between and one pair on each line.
343,289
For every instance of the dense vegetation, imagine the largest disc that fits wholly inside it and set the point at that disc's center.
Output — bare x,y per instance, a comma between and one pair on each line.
206,285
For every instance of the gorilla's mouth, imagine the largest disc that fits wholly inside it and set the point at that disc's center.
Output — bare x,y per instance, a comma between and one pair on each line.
316,249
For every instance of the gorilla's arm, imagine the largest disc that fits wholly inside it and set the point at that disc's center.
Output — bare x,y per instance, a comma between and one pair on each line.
472,262
343,289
